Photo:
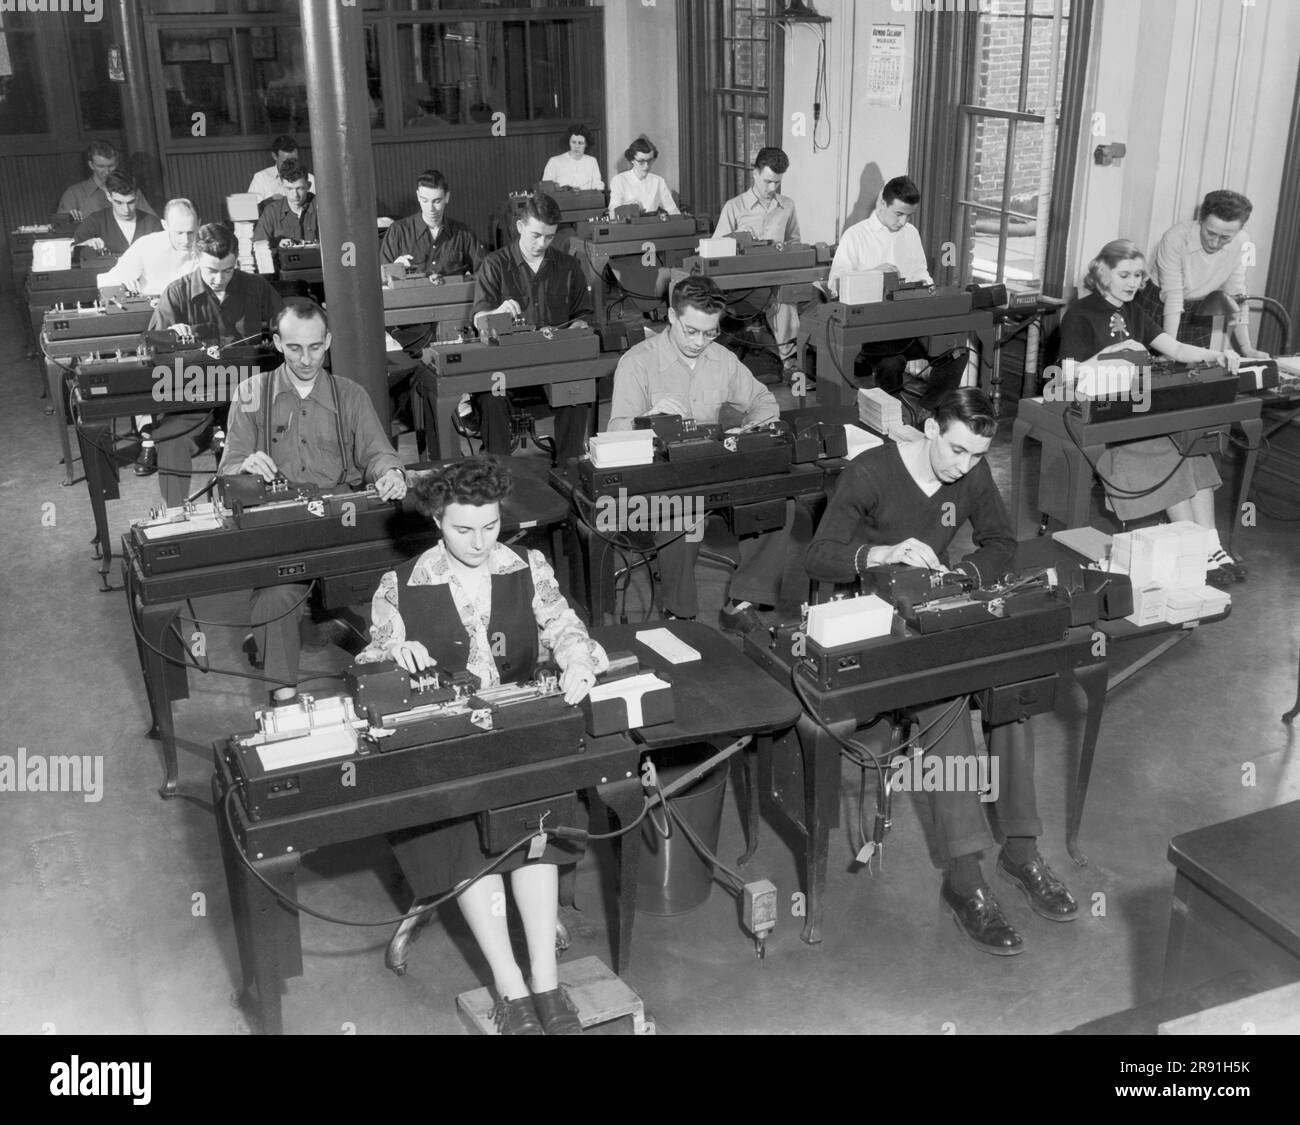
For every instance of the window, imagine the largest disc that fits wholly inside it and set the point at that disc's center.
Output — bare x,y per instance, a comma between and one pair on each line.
22,94
99,100
749,67
1004,124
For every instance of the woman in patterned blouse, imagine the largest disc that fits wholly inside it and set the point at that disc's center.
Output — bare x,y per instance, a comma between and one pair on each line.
472,604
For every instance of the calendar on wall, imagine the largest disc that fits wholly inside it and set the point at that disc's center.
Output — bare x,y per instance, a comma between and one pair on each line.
885,65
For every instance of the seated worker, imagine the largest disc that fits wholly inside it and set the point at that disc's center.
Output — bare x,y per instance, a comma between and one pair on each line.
214,300
291,216
88,195
1144,477
153,261
531,279
266,182
322,430
639,185
887,238
903,504
433,243
473,604
1198,273
683,372
575,169
766,214
113,228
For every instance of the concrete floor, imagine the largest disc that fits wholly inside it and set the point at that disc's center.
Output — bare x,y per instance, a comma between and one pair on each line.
116,918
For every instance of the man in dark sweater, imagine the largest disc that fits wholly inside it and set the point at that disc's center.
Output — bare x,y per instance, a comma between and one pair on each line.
904,504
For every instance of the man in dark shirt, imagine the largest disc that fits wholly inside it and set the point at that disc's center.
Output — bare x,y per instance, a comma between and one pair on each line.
433,243
904,504
530,279
215,304
117,226
291,216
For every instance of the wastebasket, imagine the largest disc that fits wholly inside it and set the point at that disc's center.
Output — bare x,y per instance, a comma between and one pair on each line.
673,877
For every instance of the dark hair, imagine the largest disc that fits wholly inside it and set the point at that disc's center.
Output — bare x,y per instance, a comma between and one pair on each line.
901,187
578,129
772,157
216,239
969,405
1230,206
293,171
1110,255
473,480
120,183
700,293
302,308
283,143
100,148
640,145
544,209
433,179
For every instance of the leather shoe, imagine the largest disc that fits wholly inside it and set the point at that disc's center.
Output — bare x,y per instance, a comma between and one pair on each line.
1047,895
558,1015
146,464
742,619
249,649
516,1017
403,938
980,918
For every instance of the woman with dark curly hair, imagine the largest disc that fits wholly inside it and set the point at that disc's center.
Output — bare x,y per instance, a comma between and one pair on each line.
473,604
639,185
575,168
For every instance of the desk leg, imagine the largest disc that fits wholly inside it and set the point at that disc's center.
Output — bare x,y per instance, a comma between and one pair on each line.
267,932
444,409
1176,944
1253,428
1092,679
1019,432
54,375
102,485
1079,474
624,800
821,783
165,679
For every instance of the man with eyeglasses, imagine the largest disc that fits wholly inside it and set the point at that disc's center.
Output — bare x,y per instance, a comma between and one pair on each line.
113,228
89,195
1198,275
683,372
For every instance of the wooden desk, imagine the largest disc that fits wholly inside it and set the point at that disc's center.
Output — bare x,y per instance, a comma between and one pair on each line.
1080,444
720,696
1236,900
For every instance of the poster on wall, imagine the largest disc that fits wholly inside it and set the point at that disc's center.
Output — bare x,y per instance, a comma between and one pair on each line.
885,66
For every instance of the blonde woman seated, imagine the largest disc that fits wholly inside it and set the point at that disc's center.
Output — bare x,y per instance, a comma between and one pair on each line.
472,604
1148,476
639,185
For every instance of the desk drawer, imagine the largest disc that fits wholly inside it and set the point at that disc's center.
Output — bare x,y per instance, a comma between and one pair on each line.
350,589
1010,703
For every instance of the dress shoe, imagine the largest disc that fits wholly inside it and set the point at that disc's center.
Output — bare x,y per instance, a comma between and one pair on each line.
980,918
249,649
1046,893
217,443
558,1015
742,618
670,616
146,464
399,945
516,1017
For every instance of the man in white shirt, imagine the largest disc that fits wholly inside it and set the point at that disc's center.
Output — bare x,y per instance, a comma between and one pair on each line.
266,183
153,262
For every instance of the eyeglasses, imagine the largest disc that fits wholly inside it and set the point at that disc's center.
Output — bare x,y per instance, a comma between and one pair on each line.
643,160
699,333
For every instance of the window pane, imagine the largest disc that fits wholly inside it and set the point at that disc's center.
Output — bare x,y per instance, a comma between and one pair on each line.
199,78
279,78
1001,38
22,97
458,73
988,160
98,96
552,47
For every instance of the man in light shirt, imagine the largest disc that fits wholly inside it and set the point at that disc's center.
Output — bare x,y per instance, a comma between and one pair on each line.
766,214
1198,275
113,228
683,372
153,262
88,196
292,216
266,183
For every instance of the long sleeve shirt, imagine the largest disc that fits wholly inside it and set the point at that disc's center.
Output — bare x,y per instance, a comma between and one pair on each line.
456,250
550,298
877,503
1183,271
775,221
559,630
868,245
654,369
103,224
304,432
582,174
244,314
278,220
651,194
149,265
87,196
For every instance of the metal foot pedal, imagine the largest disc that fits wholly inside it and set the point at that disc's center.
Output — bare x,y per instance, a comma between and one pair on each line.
596,992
